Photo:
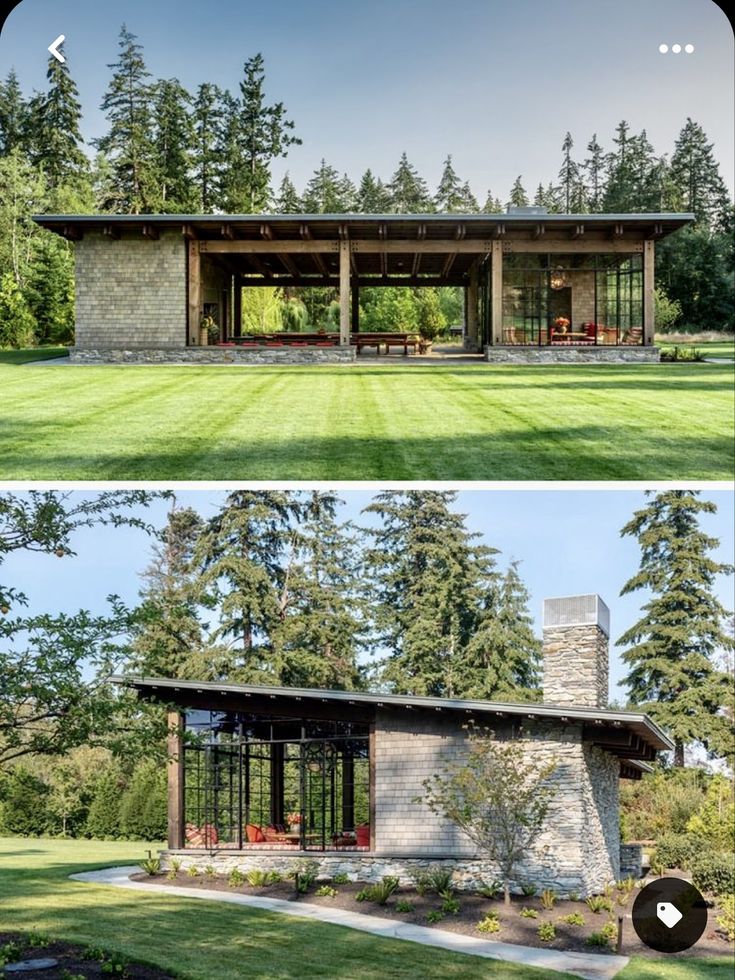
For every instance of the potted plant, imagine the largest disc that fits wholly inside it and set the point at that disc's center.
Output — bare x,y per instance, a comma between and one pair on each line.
208,331
561,324
294,822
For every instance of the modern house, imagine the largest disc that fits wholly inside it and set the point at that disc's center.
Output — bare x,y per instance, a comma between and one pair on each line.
263,777
537,286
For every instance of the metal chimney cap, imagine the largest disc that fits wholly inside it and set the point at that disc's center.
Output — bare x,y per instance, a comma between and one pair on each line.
577,610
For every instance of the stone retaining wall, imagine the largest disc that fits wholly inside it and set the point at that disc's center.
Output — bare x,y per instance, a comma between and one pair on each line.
631,861
214,355
572,355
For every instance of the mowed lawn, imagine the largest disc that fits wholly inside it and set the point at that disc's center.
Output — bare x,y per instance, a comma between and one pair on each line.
201,940
366,422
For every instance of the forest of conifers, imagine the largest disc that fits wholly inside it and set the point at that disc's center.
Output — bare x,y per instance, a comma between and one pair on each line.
168,150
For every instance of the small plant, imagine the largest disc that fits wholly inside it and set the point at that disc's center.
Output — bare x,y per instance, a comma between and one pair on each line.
489,924
363,895
39,939
450,906
436,915
626,885
529,890
115,965
573,919
304,875
403,906
9,953
658,867
236,878
258,878
68,975
341,878
192,871
379,893
726,919
604,938
548,899
175,866
573,896
641,883
421,882
599,903
546,932
441,881
274,877
151,866
529,913
94,953
210,871
326,891
490,889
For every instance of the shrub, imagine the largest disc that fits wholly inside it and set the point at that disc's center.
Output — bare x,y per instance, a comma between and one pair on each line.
677,353
151,865
660,803
714,873
103,817
434,916
489,923
192,871
450,906
24,804
380,892
573,896
9,953
210,871
599,903
573,919
421,882
340,878
529,890
490,889
678,850
236,878
714,822
326,891
548,898
529,913
667,310
143,807
546,932
441,881
259,878
403,906
726,919
604,937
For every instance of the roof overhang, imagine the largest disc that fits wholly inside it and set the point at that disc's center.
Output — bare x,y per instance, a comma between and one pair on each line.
629,735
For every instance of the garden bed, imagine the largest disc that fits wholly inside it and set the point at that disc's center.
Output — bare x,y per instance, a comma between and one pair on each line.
74,961
467,912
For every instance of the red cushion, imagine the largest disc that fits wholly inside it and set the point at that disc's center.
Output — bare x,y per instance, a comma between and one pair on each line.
254,834
362,835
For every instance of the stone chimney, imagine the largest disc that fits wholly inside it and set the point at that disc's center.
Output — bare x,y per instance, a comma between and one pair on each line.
575,651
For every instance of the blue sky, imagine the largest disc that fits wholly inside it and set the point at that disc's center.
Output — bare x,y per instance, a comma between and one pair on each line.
567,540
496,83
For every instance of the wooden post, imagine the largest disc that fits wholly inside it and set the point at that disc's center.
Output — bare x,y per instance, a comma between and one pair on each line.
277,783
649,325
473,340
496,290
195,291
175,772
237,326
348,792
355,309
371,784
344,294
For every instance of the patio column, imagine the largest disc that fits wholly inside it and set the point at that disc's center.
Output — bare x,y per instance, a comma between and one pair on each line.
237,308
496,290
471,296
355,309
175,772
194,299
344,293
648,287
277,782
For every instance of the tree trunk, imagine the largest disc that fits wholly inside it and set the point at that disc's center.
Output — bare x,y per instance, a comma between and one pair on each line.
679,754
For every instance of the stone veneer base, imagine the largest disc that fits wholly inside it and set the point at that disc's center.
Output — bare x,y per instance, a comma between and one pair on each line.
572,355
213,355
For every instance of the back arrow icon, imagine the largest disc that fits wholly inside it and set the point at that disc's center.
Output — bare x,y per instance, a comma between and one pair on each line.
53,48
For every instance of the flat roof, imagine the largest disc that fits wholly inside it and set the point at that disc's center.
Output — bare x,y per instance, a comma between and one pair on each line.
601,722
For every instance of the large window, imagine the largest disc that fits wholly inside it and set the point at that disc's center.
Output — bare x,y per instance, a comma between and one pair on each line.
572,299
251,781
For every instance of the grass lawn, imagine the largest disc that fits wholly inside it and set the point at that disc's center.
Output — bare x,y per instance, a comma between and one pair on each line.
201,940
471,422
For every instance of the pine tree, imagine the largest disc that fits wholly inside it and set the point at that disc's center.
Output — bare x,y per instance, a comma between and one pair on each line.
288,200
170,638
372,195
347,195
207,123
449,196
324,193
695,174
55,124
174,135
264,134
13,116
425,573
129,143
671,647
594,171
408,191
569,175
492,204
468,201
50,290
231,191
518,196
103,817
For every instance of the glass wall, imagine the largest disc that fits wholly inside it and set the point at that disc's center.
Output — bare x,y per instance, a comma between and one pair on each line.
252,781
572,299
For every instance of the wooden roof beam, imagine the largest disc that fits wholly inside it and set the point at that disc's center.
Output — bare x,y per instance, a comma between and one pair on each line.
617,230
656,231
259,267
577,231
421,232
110,231
267,232
72,233
460,232
415,264
538,232
150,232
227,231
448,263
189,232
305,232
499,231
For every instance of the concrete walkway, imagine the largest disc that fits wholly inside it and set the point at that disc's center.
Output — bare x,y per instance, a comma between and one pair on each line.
588,965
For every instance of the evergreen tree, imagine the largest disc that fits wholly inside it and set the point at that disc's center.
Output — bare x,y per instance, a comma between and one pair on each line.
325,192
468,201
347,194
569,176
450,193
170,637
518,196
695,175
372,195
492,204
13,115
694,267
103,817
671,647
55,122
129,143
207,124
174,135
408,191
143,806
594,172
50,290
24,804
264,134
17,323
426,574
232,183
288,200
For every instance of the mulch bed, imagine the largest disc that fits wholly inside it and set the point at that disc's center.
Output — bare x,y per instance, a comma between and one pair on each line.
514,928
72,960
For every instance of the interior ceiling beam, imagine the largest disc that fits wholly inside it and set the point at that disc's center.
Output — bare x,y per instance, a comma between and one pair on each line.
305,232
390,280
266,232
189,232
416,264
577,231
617,230
148,231
460,232
538,232
110,231
448,263
227,231
428,247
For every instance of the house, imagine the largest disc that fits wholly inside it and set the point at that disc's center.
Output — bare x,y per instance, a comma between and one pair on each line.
268,776
537,286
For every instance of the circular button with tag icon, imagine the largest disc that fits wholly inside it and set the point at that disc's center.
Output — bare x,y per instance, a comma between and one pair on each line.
669,915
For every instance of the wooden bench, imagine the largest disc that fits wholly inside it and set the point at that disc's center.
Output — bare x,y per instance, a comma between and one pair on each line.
403,340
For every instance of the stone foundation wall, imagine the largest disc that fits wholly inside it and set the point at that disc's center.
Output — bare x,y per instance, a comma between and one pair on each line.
131,292
572,355
213,355
631,861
